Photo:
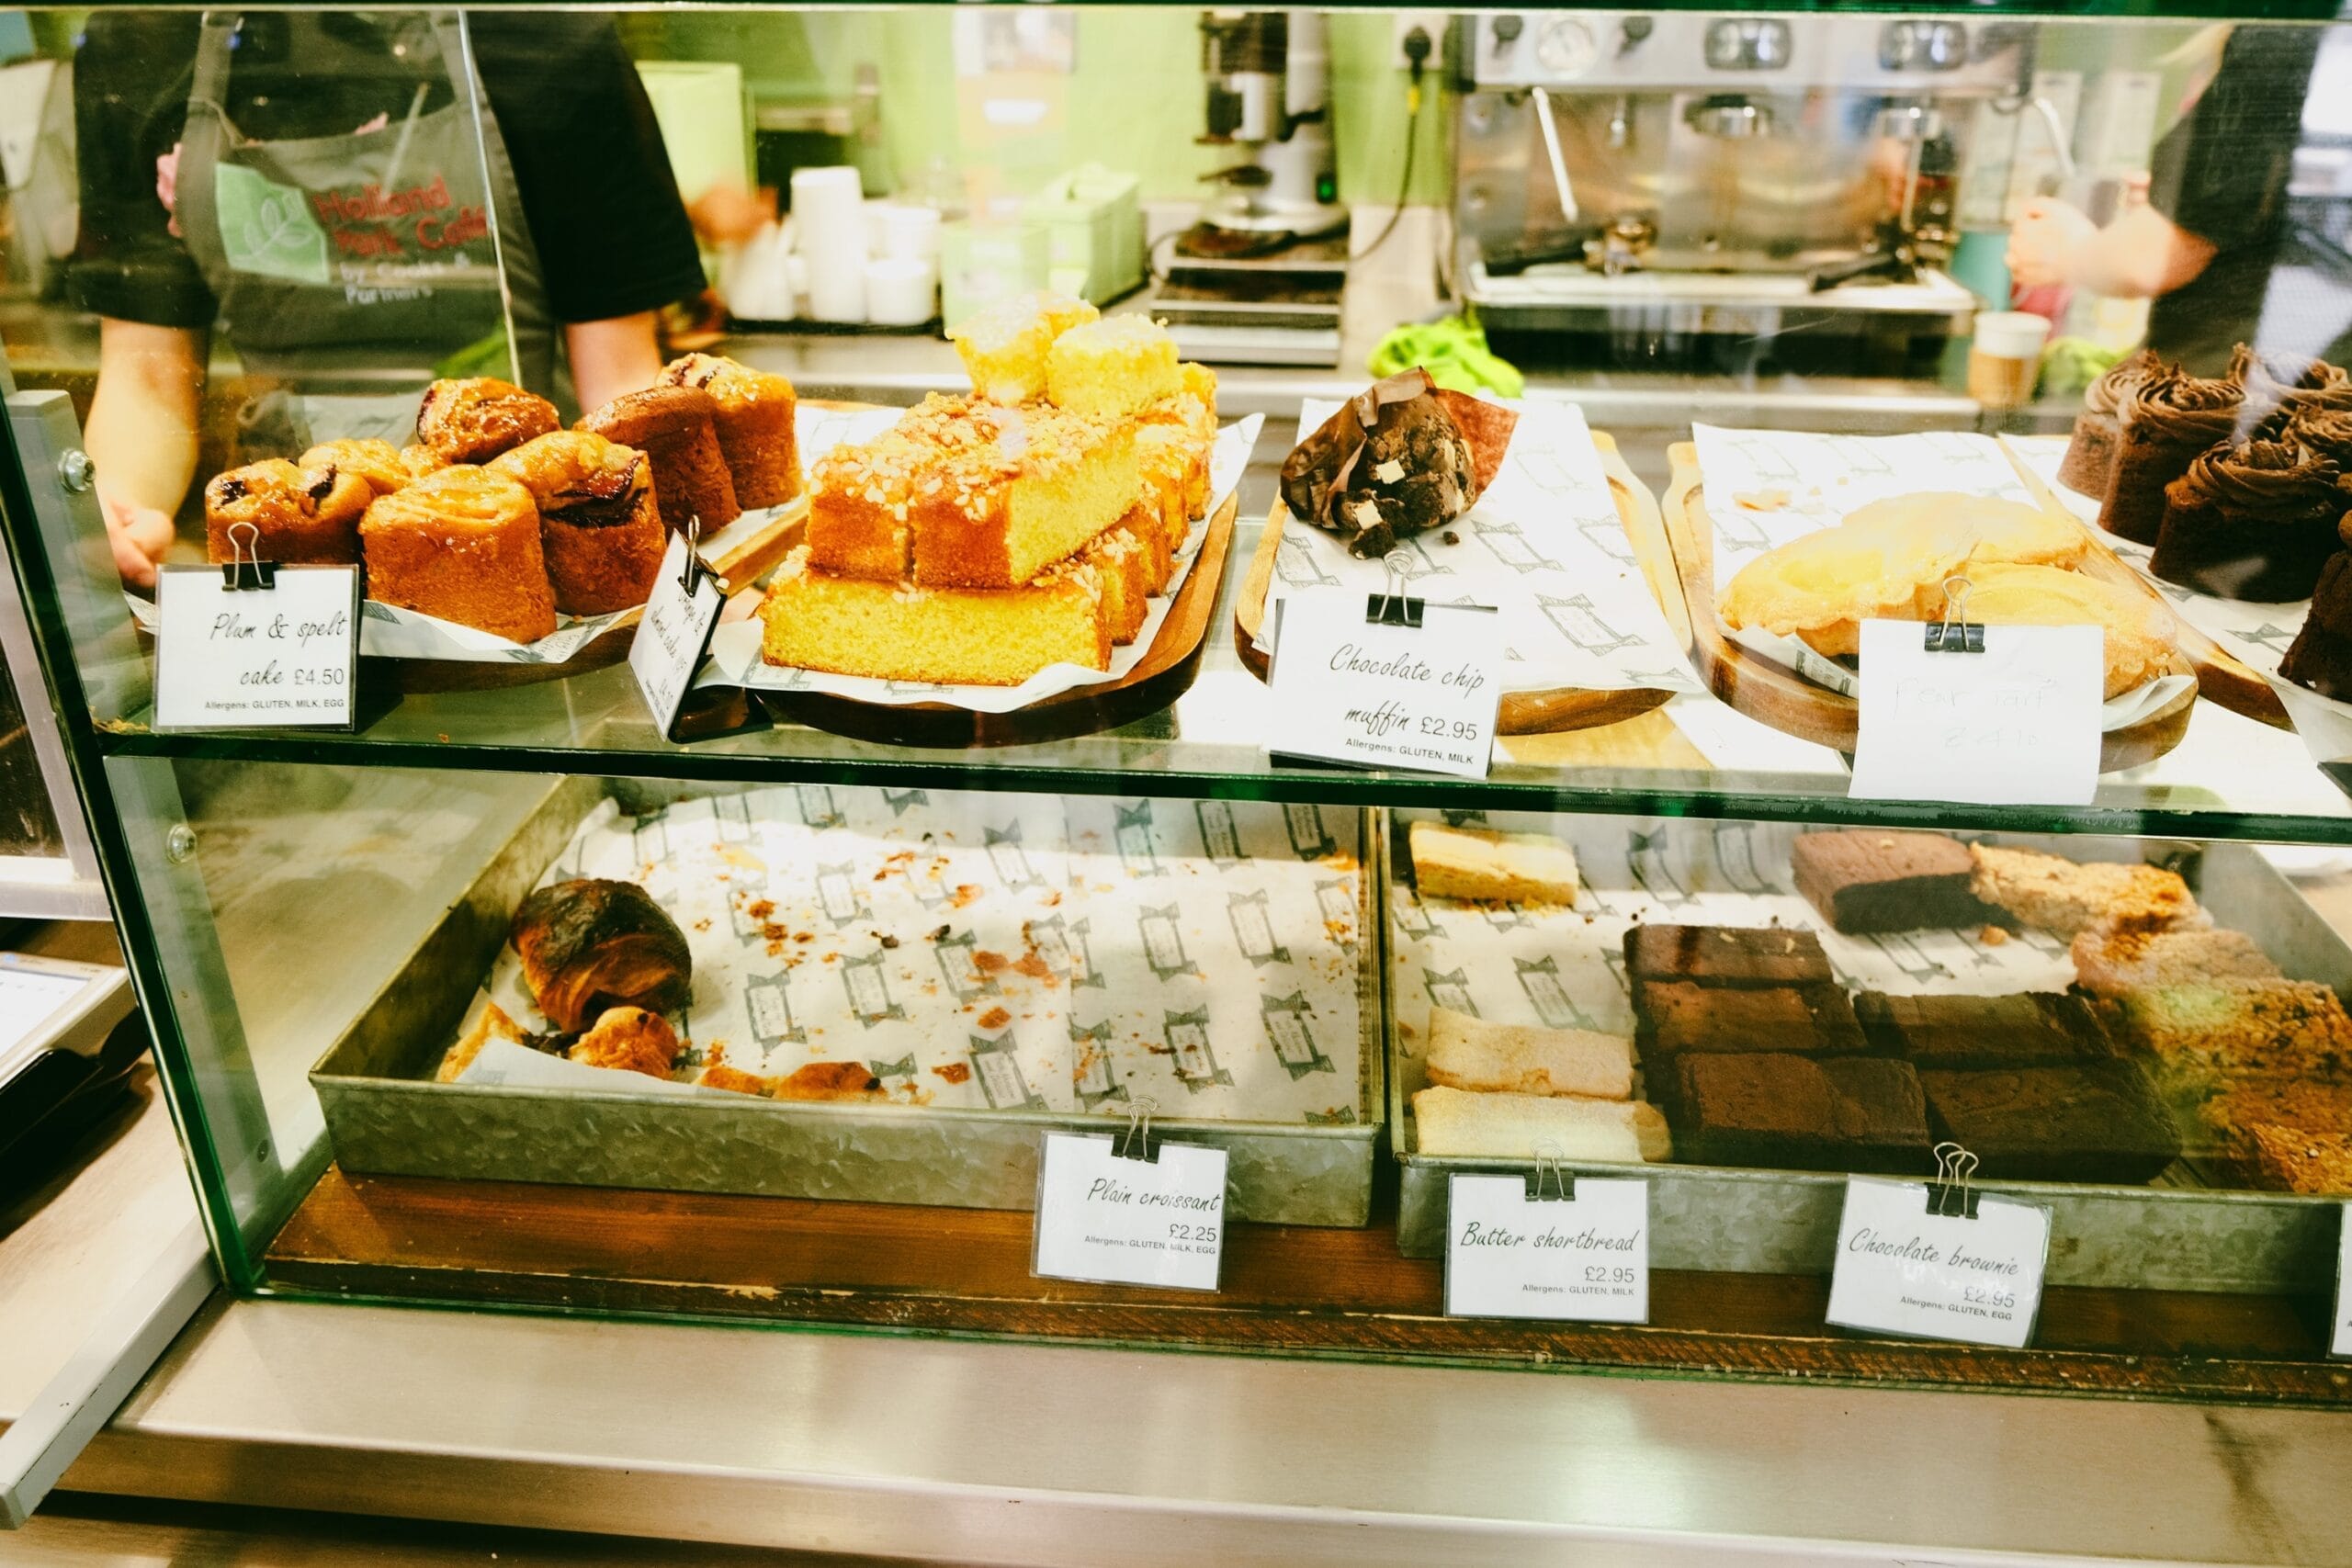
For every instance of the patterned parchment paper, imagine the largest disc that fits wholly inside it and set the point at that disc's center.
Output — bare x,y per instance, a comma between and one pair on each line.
1543,545
1005,951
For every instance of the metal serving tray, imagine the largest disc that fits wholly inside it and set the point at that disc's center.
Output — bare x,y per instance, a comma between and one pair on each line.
2170,1237
386,1114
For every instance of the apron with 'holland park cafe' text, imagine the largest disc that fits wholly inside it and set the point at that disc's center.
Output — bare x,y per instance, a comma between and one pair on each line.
352,269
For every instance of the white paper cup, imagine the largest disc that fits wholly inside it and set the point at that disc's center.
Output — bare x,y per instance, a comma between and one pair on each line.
909,233
2011,335
901,292
829,215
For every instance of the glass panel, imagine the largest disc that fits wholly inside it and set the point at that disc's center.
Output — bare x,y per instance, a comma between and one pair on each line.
505,996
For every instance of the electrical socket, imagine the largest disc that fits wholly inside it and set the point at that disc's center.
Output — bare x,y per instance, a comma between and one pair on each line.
1404,22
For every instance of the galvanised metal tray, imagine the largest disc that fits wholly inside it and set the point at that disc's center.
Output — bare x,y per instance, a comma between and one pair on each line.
2176,1237
386,1114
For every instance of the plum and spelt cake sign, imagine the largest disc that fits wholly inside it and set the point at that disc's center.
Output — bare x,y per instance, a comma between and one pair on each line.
1007,952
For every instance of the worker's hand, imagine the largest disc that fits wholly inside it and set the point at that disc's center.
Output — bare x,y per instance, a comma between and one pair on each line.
2044,242
139,535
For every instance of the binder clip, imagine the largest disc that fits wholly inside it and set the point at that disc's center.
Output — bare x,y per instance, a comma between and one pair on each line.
1135,1143
690,575
244,569
1949,1196
1550,1163
1955,633
1392,606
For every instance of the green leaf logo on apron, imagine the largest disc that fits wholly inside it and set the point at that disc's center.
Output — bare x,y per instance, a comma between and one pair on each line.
267,228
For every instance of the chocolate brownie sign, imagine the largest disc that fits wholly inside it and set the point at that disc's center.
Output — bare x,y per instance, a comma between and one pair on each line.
1904,1267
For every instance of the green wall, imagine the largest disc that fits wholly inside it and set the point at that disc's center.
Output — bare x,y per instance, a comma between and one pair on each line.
1133,101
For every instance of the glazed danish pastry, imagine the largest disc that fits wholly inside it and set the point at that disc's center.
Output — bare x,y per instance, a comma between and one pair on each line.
462,545
473,420
306,516
754,425
676,428
598,524
377,462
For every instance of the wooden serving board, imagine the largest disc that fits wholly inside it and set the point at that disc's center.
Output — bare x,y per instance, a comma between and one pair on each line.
1550,712
1164,673
2221,676
1781,697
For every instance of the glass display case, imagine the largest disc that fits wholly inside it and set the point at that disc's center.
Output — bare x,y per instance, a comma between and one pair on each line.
508,993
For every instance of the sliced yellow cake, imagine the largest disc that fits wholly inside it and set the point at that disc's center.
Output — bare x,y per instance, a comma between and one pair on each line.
1116,366
813,620
1004,347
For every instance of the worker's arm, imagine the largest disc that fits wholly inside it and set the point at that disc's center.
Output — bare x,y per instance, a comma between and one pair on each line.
2140,255
142,435
612,357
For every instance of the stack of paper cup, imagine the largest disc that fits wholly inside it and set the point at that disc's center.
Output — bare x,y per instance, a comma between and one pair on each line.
900,293
907,232
829,211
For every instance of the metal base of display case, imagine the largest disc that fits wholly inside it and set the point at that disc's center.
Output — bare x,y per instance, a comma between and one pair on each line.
965,1452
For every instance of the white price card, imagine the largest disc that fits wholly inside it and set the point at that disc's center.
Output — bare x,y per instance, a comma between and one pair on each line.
2015,725
1115,1218
675,635
2340,1343
1351,688
1584,1256
252,657
1904,1269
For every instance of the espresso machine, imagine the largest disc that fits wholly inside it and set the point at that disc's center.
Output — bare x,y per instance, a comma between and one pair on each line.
1673,181
1258,279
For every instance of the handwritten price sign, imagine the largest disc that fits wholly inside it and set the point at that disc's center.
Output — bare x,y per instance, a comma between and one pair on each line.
1349,689
2016,725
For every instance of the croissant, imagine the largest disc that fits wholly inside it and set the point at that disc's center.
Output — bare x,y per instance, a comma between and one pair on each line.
592,945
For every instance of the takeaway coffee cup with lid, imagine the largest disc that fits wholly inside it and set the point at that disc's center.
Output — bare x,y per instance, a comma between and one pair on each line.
2006,357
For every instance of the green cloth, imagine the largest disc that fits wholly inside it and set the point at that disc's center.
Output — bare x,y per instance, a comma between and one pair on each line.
1454,352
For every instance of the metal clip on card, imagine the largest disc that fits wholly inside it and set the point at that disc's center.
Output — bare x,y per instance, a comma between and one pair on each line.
1551,1161
244,569
1391,606
1949,1196
690,576
1955,633
1135,1143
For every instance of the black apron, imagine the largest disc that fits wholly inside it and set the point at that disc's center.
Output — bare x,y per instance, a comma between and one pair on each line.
352,269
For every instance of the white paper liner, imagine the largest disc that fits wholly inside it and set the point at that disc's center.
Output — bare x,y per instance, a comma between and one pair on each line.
735,658
2257,635
1545,546
1764,488
1007,951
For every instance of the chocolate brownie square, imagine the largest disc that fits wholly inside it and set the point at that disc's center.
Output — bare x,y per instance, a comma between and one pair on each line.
1855,1113
2029,1029
2093,1122
1873,879
1674,1015
1726,955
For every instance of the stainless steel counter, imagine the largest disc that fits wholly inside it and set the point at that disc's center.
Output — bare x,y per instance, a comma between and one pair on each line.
1042,1454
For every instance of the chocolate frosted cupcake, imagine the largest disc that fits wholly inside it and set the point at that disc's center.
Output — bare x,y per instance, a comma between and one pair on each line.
2325,430
2166,422
2252,522
2090,455
2278,387
2321,656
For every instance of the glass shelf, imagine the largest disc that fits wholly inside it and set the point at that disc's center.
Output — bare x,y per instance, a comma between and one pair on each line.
2230,778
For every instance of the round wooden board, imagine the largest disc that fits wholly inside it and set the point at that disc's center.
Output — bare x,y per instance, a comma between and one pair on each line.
1164,673
1552,712
1779,696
